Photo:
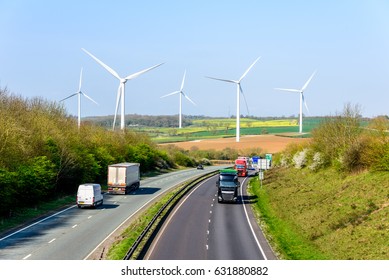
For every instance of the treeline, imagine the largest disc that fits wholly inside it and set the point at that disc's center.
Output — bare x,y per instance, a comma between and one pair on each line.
341,142
43,153
134,120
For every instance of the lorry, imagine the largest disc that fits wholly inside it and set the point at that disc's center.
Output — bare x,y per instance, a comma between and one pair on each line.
227,185
123,177
241,167
89,195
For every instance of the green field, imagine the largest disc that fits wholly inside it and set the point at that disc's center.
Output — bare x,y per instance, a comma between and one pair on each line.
222,128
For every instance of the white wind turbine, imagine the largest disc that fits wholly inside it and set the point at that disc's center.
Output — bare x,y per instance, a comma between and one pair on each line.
238,91
121,89
79,93
302,99
181,93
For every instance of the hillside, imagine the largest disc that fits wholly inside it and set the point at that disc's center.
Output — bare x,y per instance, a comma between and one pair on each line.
325,214
328,198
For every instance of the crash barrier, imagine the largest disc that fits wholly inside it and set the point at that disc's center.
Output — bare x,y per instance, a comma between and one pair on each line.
151,229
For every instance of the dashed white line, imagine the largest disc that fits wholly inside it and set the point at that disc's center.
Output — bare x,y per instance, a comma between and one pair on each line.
52,240
26,257
74,226
89,217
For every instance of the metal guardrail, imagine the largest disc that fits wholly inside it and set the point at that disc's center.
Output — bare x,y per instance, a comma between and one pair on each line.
169,205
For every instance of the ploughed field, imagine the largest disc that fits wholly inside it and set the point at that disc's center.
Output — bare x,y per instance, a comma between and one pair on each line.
267,143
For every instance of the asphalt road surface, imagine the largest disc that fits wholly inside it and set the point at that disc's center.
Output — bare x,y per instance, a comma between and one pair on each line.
200,228
73,234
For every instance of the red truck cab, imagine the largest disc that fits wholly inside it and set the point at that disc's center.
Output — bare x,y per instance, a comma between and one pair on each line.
241,167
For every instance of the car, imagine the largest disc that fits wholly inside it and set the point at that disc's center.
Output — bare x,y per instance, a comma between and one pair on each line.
200,166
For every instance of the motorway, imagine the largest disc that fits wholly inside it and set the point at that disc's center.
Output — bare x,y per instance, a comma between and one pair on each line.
73,234
200,228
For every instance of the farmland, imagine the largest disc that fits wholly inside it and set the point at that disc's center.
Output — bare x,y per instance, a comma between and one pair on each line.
265,143
211,128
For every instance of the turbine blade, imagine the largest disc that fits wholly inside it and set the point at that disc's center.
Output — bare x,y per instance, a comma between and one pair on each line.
244,98
69,97
307,82
79,87
187,97
175,92
251,66
89,98
137,74
223,80
305,103
109,69
117,106
183,81
288,89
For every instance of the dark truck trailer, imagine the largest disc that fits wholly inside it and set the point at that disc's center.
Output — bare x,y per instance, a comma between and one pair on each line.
123,177
228,185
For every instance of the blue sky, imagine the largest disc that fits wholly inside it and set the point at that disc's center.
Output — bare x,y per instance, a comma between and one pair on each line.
346,41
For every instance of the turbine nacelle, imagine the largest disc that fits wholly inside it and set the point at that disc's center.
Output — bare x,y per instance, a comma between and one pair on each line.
302,98
121,89
239,91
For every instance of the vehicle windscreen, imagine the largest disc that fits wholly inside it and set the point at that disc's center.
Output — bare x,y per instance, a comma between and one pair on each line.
241,166
227,185
228,180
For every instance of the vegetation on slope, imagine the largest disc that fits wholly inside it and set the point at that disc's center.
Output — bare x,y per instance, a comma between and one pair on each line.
43,154
329,199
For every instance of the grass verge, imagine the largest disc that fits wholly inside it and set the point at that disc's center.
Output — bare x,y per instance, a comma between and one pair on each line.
324,215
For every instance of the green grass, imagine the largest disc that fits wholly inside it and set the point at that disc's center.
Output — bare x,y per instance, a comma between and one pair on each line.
325,215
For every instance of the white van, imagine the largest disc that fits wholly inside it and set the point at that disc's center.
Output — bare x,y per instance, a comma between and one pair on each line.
89,195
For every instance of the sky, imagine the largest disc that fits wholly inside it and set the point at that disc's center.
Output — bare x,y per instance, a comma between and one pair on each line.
346,41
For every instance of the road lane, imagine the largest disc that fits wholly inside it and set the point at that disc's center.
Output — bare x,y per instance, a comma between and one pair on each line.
73,234
201,228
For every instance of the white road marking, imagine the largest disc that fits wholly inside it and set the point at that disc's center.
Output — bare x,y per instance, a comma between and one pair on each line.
26,257
248,221
89,217
20,230
74,226
52,240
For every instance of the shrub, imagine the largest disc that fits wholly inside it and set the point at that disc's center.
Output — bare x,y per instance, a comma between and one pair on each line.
300,159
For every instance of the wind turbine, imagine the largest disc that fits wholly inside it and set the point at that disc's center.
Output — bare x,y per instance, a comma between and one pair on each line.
181,92
238,91
121,89
302,99
79,93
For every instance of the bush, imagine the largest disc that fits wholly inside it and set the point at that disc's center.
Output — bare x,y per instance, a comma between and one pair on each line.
300,159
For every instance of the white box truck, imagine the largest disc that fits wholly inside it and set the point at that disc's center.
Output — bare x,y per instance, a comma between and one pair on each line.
89,195
123,177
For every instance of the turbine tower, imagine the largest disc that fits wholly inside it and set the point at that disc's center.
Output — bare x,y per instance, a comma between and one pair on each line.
181,92
121,89
302,99
238,91
79,93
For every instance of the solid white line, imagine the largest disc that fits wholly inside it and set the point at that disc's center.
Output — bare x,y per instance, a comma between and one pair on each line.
248,221
38,222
